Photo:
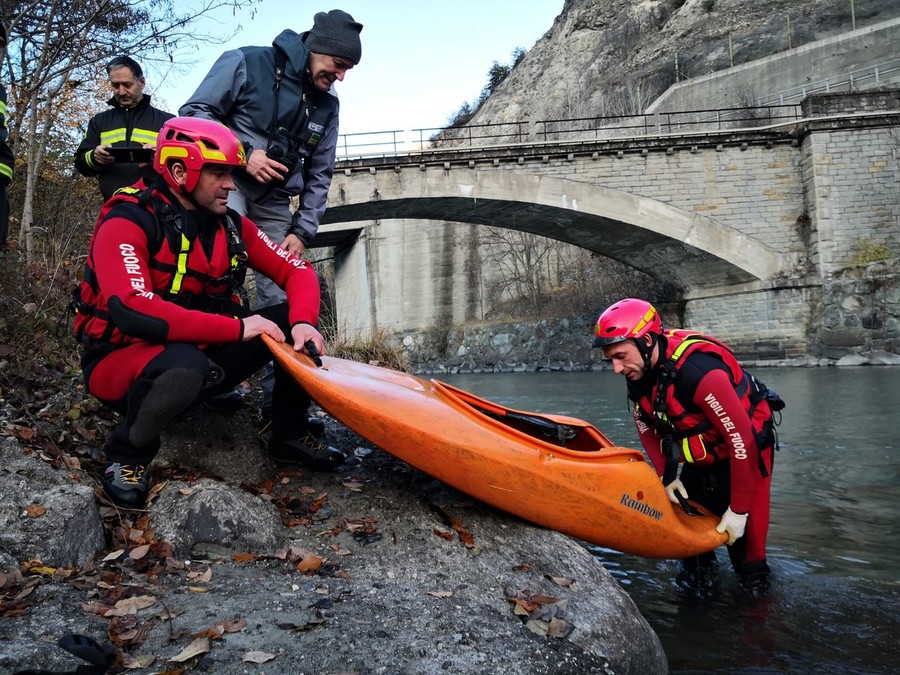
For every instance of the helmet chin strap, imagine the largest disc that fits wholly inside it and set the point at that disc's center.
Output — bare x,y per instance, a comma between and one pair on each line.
190,197
646,351
183,191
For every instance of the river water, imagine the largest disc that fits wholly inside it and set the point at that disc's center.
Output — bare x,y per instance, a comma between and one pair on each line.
834,541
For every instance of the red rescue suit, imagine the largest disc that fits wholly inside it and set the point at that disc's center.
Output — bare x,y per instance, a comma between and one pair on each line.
144,290
712,412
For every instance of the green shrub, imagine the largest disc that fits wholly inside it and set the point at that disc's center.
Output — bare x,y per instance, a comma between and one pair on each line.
866,251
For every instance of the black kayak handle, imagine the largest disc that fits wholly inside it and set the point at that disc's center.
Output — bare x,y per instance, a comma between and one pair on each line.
314,353
688,509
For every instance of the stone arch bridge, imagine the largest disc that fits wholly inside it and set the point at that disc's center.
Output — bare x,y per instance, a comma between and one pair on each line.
750,224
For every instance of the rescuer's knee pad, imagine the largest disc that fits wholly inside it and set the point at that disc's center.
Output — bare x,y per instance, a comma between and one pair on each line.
153,402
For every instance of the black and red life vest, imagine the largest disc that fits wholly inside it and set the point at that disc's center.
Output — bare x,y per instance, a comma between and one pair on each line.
681,424
180,270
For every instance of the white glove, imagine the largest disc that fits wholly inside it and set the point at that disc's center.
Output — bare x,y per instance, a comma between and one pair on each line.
676,485
732,523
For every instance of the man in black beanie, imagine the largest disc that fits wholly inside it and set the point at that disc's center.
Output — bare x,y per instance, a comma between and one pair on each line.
280,102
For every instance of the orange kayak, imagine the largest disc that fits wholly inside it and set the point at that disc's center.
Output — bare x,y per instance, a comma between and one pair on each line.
556,471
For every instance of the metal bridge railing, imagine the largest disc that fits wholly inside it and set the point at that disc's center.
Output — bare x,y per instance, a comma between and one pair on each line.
870,77
658,124
395,142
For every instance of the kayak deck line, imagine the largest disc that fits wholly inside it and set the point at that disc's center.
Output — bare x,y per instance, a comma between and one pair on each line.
556,471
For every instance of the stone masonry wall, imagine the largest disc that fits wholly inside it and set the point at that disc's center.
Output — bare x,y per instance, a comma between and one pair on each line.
860,324
755,190
853,183
560,344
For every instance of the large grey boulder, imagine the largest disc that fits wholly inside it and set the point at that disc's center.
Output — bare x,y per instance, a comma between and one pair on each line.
45,513
407,575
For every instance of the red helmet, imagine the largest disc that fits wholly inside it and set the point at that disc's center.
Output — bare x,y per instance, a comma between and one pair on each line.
627,319
196,142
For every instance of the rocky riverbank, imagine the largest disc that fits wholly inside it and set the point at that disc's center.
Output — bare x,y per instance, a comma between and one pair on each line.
237,567
565,345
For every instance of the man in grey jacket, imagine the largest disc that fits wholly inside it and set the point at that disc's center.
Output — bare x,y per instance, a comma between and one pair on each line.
279,101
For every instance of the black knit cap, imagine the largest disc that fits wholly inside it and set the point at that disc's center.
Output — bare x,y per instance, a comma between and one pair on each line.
335,33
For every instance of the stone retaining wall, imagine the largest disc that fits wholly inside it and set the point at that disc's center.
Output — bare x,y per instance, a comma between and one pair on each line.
857,322
556,344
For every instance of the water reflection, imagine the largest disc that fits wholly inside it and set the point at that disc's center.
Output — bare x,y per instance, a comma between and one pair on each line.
834,543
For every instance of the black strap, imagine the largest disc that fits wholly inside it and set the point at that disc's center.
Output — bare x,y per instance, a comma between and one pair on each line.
663,426
280,63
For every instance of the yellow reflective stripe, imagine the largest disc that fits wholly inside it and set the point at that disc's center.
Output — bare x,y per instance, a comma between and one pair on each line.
143,136
679,350
644,321
127,190
686,449
3,108
210,153
120,135
6,170
181,265
169,151
113,136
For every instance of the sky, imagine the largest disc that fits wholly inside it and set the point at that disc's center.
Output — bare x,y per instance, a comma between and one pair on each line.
421,59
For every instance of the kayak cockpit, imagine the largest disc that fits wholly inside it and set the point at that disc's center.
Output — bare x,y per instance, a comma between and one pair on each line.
565,432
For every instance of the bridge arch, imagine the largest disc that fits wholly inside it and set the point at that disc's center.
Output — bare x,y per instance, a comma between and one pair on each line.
688,250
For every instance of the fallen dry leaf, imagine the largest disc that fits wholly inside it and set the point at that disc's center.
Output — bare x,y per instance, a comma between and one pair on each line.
197,647
537,627
95,608
131,605
559,628
42,569
354,485
443,535
132,663
35,510
139,552
309,563
233,625
561,581
440,594
257,657
115,555
202,577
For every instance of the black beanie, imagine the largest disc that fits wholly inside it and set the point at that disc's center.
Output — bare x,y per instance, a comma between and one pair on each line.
335,33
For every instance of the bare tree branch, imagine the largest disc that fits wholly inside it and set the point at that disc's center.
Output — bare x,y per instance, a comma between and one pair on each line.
55,55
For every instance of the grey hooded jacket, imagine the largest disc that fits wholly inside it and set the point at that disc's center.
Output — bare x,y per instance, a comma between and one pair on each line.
239,92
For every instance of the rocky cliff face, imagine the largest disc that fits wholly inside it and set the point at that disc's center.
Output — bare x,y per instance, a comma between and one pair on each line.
611,57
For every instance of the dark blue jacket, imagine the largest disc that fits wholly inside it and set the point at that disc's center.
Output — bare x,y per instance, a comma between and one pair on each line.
238,91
